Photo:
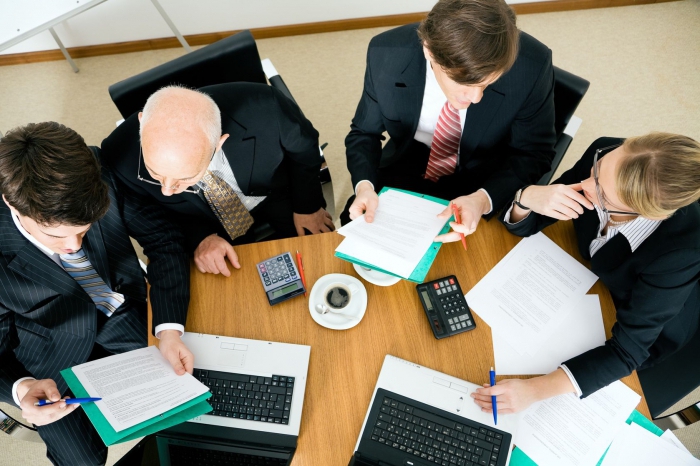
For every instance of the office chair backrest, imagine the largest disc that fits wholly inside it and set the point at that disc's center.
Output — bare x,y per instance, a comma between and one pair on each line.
569,90
232,59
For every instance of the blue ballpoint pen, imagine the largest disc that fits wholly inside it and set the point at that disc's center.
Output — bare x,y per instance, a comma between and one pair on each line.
69,401
492,374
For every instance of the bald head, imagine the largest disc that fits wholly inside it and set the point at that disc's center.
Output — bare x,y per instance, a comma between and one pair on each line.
180,130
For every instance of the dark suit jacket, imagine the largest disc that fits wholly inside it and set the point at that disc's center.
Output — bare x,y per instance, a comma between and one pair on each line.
655,288
508,138
272,149
49,323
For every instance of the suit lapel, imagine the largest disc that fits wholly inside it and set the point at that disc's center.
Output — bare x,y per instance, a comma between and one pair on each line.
409,89
477,121
96,252
239,149
612,255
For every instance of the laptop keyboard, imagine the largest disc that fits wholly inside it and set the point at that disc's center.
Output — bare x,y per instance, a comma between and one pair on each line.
250,397
435,439
189,456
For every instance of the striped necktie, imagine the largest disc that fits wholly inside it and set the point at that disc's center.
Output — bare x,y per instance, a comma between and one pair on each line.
79,267
226,204
443,150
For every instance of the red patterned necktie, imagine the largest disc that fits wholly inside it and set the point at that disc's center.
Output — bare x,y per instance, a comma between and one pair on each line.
443,151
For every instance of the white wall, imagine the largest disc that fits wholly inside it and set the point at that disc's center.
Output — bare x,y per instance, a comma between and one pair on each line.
128,20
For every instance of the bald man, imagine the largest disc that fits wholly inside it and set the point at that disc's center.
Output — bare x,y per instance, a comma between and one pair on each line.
222,159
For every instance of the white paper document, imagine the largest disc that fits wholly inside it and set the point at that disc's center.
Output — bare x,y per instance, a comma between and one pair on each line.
403,229
136,386
530,292
581,330
568,431
636,446
670,437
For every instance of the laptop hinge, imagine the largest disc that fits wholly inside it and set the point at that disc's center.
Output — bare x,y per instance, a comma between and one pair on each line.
365,460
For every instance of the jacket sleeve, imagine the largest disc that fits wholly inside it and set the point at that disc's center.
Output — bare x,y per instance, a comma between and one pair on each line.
163,244
299,140
532,139
363,145
657,297
10,368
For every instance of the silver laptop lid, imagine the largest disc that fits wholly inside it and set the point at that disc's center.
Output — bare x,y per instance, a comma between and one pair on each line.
435,389
255,358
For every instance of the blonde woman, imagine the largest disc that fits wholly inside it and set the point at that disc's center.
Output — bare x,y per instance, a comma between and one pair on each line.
637,220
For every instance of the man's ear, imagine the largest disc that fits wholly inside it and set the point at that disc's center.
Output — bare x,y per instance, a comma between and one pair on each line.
426,52
140,115
223,139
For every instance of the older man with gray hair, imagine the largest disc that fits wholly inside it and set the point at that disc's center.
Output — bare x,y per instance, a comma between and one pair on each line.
221,159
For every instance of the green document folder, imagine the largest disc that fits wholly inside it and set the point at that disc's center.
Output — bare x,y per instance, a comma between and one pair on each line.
184,412
421,270
519,458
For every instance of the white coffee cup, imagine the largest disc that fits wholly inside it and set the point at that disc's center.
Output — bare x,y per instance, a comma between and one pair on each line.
337,296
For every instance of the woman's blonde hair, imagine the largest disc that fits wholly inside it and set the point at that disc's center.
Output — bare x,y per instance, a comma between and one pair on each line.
660,175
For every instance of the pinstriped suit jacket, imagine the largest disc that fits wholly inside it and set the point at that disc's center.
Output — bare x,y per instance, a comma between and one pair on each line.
49,323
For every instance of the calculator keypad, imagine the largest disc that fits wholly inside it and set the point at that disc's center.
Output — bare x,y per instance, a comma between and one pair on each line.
450,303
278,270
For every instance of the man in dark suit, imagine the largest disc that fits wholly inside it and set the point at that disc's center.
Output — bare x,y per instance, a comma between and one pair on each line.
72,287
221,160
487,88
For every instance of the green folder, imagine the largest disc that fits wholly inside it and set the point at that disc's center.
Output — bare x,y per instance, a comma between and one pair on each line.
519,458
421,270
184,412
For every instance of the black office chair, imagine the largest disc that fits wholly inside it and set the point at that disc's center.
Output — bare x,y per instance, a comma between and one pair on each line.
569,90
233,59
671,380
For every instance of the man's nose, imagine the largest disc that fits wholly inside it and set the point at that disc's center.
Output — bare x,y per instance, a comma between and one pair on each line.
474,95
73,243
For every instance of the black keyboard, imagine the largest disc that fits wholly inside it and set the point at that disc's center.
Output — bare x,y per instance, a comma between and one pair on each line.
189,456
250,397
400,424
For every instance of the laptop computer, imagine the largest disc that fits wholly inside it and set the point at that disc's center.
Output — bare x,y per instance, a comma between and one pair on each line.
421,417
257,399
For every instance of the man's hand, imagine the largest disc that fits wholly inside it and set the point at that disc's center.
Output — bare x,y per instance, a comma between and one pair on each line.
31,391
471,208
560,201
318,222
366,202
210,256
175,351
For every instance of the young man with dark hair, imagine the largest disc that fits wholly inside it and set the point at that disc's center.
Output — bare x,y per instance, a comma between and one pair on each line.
467,101
72,287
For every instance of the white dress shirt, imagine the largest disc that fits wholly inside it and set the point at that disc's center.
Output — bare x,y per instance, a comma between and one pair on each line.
220,167
56,258
433,101
635,232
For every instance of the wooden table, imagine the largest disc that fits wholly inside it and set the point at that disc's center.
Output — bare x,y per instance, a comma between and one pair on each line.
344,365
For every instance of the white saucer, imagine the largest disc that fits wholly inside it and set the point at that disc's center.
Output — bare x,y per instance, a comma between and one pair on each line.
375,277
357,306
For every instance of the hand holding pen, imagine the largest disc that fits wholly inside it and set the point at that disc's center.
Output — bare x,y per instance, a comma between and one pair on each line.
30,392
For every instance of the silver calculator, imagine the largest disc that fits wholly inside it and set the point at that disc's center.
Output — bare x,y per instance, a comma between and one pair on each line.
280,278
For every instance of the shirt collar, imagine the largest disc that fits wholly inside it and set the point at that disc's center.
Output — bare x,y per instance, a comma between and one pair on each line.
32,239
217,164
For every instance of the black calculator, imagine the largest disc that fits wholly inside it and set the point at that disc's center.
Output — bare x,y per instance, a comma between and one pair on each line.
280,278
445,306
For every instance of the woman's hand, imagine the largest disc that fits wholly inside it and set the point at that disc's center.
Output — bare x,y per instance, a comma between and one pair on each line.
560,201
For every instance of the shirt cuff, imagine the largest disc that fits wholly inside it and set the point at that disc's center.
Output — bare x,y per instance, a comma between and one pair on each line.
490,201
572,379
506,218
362,181
161,327
14,388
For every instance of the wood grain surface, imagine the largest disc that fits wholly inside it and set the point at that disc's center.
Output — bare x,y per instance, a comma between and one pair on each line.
344,365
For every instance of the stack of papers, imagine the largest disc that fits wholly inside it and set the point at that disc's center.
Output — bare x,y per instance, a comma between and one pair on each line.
533,299
637,446
141,394
568,431
400,239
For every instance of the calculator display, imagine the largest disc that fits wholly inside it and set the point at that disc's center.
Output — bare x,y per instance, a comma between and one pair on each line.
285,290
426,299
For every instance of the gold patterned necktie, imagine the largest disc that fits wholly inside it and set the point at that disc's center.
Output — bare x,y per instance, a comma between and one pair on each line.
226,204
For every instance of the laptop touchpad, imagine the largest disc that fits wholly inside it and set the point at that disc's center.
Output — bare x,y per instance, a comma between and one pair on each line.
447,398
232,357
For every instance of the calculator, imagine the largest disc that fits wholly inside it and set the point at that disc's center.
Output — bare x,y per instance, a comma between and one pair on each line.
280,278
445,306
